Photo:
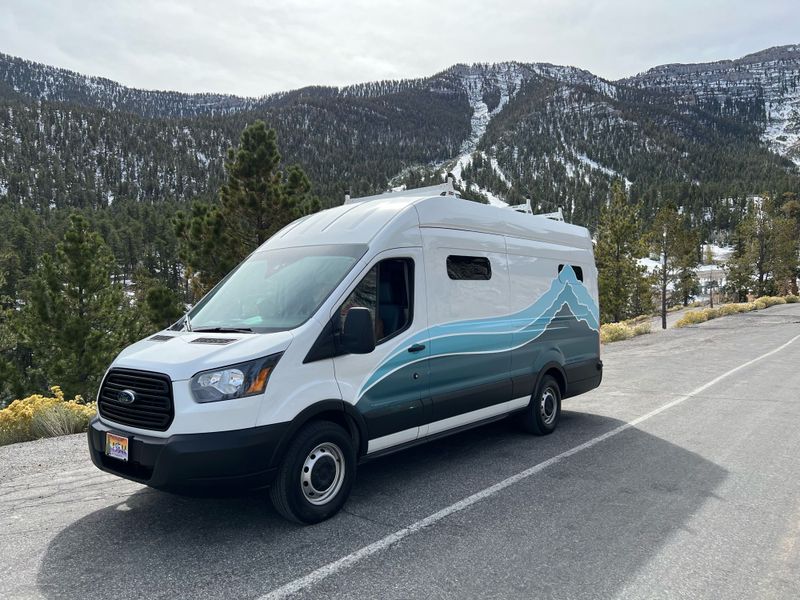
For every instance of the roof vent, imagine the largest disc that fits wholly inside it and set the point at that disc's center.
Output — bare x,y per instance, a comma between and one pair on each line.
215,341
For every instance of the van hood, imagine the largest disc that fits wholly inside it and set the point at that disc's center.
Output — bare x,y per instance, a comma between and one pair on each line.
182,354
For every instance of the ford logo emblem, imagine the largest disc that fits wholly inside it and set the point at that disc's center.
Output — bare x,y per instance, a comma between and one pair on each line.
126,397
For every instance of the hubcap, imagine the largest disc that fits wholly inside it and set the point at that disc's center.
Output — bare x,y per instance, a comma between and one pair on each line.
322,474
548,406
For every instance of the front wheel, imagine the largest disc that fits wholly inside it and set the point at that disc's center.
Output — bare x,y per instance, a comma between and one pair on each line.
544,411
316,474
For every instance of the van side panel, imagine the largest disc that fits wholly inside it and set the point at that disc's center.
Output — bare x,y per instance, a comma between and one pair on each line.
469,364
561,322
388,385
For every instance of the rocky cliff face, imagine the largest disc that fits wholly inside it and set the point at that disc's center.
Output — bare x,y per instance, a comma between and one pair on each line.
763,87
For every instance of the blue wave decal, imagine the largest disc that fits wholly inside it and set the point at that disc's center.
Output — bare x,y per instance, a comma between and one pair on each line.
496,334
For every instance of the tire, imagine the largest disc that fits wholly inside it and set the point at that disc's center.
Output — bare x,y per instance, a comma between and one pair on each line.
544,411
316,474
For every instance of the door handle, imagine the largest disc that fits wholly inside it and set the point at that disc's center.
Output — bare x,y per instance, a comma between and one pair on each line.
416,348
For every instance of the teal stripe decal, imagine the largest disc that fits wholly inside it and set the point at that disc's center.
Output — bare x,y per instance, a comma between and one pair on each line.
496,334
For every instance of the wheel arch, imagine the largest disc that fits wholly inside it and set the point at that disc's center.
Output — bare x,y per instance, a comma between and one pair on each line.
336,411
556,370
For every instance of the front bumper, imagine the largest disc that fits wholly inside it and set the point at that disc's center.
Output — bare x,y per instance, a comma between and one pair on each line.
226,459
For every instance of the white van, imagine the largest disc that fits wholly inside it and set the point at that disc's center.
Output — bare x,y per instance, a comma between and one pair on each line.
353,332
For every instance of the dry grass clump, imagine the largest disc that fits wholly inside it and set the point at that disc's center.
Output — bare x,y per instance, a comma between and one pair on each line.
767,301
615,332
700,316
693,317
791,299
44,416
736,307
638,320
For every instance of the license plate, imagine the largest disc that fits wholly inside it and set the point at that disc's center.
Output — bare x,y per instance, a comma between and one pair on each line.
116,446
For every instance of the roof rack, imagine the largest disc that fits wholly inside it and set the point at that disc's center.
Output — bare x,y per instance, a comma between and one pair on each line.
442,189
447,189
528,210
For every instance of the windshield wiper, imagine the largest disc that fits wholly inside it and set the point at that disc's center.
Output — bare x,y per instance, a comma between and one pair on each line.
222,330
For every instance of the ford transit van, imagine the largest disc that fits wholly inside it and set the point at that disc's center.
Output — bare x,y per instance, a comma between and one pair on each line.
354,332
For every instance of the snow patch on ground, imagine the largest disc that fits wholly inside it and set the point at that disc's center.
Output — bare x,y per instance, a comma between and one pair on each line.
649,264
720,254
202,159
597,166
496,168
493,199
782,133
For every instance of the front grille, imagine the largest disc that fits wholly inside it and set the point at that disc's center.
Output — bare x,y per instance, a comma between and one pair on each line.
152,407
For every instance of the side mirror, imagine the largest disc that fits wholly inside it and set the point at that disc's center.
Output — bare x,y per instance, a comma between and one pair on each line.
358,333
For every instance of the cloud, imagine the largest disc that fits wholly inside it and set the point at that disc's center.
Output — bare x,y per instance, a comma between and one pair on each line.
251,47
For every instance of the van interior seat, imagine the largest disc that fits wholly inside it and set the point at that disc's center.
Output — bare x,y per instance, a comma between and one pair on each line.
391,311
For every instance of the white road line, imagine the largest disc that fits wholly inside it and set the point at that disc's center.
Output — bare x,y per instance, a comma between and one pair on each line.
345,562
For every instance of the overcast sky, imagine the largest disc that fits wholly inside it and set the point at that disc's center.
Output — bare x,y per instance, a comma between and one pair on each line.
252,47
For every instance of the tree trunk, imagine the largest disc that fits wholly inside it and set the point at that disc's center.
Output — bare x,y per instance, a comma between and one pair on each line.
664,289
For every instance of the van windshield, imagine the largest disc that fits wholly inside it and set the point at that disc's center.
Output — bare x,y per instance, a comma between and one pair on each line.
276,290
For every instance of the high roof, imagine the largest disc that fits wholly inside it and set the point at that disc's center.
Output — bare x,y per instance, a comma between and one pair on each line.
393,215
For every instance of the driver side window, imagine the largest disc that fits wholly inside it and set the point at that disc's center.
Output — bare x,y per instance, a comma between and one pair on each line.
387,291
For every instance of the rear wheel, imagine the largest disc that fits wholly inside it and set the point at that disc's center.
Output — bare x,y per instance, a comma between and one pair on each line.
316,474
544,411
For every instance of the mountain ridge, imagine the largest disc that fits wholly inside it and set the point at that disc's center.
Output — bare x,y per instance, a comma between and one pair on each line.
509,130
12,67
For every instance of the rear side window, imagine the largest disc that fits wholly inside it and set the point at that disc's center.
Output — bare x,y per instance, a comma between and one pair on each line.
578,271
469,267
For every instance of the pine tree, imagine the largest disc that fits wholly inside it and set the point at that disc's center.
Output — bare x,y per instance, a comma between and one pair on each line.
163,306
784,255
7,345
741,264
774,248
672,239
790,209
708,255
75,318
158,305
761,246
619,244
257,199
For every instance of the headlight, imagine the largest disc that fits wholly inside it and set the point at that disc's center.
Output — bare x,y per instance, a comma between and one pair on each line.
235,381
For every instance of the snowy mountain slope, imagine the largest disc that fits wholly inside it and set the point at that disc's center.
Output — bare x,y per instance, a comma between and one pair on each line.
44,82
497,84
493,83
557,134
763,88
566,134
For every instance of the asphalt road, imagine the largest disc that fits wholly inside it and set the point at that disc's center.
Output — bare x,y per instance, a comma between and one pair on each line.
678,478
